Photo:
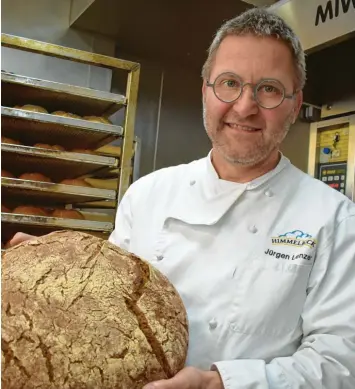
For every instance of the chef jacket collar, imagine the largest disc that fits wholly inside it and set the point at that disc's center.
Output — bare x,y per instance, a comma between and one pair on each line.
206,198
216,185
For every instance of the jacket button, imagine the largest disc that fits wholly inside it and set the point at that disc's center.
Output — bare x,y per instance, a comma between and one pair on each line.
192,182
268,193
253,229
213,324
159,257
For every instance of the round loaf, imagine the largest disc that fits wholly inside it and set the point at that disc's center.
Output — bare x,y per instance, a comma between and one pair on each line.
58,147
35,177
66,114
5,209
75,182
67,214
10,141
43,146
79,312
98,119
5,173
34,108
49,147
30,210
83,151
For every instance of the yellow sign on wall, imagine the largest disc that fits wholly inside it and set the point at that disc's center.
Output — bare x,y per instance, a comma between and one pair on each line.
338,150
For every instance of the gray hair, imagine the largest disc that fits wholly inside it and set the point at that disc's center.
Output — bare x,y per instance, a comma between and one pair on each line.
260,22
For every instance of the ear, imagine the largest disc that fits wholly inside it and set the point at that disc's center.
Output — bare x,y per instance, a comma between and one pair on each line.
298,105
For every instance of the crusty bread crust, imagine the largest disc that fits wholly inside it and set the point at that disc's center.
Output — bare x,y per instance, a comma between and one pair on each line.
79,312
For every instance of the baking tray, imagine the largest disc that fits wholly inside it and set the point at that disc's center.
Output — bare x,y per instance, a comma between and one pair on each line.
33,127
35,192
57,223
109,204
55,164
21,90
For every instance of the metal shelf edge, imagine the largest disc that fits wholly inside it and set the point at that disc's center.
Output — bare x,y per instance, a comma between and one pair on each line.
56,222
82,124
61,87
55,154
108,194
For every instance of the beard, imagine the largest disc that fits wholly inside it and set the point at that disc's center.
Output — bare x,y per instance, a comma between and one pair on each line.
253,153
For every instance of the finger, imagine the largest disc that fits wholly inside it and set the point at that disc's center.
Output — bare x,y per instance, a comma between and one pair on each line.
18,238
173,383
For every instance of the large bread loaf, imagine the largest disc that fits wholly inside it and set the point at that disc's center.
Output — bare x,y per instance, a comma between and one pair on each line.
79,312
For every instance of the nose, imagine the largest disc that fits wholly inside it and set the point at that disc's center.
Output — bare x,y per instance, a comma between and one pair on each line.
246,105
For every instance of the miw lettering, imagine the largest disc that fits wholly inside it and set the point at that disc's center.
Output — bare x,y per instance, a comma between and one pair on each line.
331,10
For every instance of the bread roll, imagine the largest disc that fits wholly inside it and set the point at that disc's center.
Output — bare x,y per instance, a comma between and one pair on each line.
58,147
83,151
79,312
67,214
10,141
5,173
35,177
30,210
76,182
98,119
43,146
66,114
5,209
49,147
34,108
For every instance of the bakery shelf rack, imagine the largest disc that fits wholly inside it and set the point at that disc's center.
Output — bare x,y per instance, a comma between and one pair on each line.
61,132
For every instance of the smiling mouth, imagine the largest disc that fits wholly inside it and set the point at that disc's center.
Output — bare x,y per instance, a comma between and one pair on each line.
239,127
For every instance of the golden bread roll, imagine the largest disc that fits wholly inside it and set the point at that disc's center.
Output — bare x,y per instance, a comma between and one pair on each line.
5,173
49,147
67,214
5,209
30,210
98,119
10,141
83,151
75,182
35,177
66,114
58,147
43,146
102,317
34,108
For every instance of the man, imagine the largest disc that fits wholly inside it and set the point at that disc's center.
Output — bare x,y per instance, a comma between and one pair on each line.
262,254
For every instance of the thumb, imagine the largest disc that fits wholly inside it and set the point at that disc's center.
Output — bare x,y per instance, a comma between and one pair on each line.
18,238
158,385
173,383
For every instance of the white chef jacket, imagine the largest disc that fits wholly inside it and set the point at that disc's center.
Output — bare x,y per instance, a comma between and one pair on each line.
266,271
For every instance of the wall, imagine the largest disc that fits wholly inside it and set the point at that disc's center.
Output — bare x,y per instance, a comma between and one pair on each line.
48,20
295,146
182,137
169,114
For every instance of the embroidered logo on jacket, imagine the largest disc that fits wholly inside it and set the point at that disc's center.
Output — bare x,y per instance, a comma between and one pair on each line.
295,238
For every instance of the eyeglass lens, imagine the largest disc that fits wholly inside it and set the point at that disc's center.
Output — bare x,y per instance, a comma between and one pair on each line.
268,93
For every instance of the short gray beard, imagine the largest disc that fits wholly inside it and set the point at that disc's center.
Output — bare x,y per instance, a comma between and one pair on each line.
251,161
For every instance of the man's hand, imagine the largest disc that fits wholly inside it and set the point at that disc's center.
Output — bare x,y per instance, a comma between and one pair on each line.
190,378
18,238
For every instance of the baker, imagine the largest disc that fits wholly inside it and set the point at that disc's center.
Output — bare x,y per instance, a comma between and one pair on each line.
262,254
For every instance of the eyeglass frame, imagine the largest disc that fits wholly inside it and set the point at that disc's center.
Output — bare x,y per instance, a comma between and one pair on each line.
254,88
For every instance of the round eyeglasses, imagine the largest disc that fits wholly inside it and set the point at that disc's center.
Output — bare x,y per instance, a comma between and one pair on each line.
268,93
